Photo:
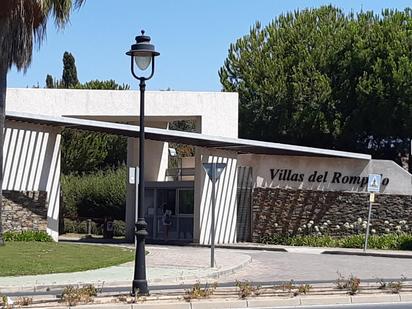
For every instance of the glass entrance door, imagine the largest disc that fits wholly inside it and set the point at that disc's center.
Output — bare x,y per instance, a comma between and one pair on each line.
169,214
166,220
185,198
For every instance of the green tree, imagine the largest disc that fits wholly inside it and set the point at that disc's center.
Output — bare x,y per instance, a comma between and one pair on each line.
69,77
102,85
50,83
321,78
23,22
86,152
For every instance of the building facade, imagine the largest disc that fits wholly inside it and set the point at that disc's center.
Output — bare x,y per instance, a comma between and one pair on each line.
265,188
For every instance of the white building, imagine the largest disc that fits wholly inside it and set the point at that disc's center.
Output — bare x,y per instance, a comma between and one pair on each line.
32,161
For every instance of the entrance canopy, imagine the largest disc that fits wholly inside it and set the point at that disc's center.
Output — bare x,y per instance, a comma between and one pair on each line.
242,146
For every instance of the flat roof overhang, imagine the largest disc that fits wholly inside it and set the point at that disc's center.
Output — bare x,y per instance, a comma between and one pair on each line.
242,146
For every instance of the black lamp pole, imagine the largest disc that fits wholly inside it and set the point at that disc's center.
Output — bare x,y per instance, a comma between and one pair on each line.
143,53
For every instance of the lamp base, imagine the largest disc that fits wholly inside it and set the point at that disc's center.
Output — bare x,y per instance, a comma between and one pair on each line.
140,288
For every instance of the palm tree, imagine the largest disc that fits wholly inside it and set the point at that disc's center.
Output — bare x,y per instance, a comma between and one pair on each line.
23,24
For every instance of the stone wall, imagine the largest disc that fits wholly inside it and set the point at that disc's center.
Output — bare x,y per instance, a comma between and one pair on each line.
294,212
24,211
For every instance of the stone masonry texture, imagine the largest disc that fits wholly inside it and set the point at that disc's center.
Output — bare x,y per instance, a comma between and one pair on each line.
285,212
24,211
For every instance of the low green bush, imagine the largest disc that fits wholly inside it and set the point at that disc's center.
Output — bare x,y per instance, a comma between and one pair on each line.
27,236
98,195
119,228
394,241
80,227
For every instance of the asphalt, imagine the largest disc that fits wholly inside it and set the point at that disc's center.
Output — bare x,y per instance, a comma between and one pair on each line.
177,265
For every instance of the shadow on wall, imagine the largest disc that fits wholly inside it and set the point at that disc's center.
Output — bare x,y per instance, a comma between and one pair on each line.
24,211
226,212
244,203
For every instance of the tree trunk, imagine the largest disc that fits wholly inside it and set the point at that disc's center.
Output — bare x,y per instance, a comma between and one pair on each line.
3,89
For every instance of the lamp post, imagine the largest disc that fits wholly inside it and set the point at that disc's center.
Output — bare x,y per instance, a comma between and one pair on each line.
142,54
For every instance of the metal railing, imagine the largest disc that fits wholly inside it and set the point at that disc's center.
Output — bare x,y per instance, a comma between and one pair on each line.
177,174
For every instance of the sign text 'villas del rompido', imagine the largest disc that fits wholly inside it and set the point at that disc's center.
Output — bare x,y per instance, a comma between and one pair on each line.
333,177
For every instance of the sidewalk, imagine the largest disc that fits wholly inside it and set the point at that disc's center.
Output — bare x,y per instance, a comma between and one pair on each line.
165,265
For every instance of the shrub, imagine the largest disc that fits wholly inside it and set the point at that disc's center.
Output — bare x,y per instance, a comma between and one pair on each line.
80,227
119,228
73,295
353,241
351,284
246,289
198,292
394,241
70,226
27,236
98,195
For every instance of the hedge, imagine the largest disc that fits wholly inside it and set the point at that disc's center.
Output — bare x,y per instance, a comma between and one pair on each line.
80,227
98,195
27,236
393,241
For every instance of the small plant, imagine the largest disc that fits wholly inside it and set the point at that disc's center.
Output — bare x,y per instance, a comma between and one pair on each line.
350,284
396,286
303,289
24,301
353,285
288,286
341,282
74,295
198,292
246,289
6,302
382,284
393,286
122,298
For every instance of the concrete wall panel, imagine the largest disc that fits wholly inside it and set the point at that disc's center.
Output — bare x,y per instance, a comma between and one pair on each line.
31,163
331,174
226,211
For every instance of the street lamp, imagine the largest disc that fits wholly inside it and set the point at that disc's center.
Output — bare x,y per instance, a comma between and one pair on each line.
142,54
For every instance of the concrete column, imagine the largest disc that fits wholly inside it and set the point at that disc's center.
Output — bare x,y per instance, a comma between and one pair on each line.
226,194
156,160
199,179
132,161
156,156
31,163
53,188
198,185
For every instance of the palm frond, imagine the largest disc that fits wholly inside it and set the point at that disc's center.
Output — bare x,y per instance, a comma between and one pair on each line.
23,24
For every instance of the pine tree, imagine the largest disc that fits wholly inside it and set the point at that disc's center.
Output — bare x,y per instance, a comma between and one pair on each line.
49,81
69,77
323,78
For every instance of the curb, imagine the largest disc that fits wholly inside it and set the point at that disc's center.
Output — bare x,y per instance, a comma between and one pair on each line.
374,254
295,302
245,247
401,255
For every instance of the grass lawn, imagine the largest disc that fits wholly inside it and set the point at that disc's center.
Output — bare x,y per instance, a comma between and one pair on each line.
33,258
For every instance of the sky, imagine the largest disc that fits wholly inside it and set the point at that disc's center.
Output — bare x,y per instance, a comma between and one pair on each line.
192,37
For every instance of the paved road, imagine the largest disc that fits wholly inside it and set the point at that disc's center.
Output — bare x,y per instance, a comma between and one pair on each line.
269,266
357,306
